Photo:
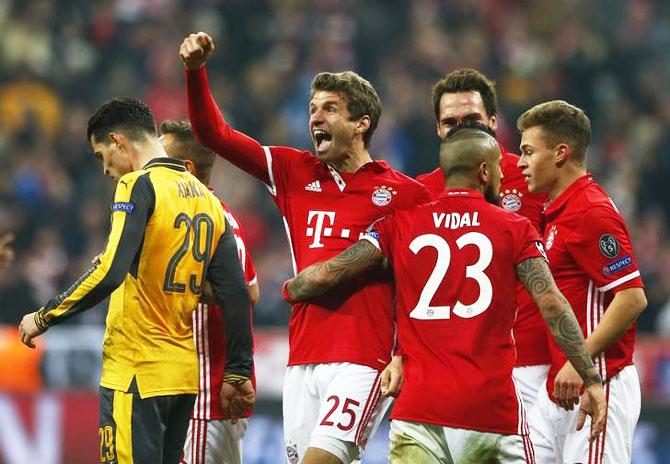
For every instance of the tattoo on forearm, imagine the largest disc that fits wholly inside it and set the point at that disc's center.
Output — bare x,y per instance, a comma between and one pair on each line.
320,277
556,311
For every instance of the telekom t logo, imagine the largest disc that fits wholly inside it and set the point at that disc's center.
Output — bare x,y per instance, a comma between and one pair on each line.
318,230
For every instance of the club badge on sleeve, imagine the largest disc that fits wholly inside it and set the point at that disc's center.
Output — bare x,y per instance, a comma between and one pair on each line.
609,246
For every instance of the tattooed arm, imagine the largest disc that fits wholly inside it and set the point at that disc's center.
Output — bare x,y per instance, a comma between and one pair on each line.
557,313
318,278
534,274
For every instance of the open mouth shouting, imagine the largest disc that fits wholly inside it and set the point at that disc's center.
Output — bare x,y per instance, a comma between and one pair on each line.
322,139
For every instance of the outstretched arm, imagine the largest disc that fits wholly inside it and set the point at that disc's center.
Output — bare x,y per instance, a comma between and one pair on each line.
318,278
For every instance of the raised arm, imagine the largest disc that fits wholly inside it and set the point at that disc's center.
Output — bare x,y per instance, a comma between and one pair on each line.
318,278
537,279
206,117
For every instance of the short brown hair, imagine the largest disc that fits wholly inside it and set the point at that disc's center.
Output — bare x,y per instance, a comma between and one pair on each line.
189,148
561,122
466,80
361,97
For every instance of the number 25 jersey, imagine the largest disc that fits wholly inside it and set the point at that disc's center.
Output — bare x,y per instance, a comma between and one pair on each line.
454,262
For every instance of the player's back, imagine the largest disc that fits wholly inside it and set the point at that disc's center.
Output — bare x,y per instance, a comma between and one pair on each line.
149,327
454,265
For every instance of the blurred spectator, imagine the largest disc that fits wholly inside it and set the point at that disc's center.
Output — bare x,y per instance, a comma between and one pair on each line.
60,58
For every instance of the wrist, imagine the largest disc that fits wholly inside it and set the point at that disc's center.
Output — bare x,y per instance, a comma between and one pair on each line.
285,294
40,321
234,379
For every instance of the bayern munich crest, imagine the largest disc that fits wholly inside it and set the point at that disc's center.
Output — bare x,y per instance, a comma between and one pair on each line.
383,195
551,237
511,200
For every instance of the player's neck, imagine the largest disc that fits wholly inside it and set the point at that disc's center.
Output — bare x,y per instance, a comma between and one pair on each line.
352,162
462,182
568,174
147,151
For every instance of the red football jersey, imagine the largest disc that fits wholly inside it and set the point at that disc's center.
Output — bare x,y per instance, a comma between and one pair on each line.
324,211
209,338
530,334
454,262
591,258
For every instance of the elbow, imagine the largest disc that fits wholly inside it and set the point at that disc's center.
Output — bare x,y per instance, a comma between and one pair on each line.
640,301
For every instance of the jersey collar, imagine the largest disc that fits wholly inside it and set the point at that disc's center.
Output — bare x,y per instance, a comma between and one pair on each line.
171,163
461,192
561,202
373,166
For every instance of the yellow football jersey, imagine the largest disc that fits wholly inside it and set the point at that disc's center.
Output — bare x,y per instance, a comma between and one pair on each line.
165,228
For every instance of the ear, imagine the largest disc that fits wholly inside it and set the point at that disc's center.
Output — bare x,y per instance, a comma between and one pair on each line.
484,173
563,152
190,166
118,139
493,123
362,125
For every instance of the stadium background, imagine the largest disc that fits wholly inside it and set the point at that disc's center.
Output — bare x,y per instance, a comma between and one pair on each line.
59,59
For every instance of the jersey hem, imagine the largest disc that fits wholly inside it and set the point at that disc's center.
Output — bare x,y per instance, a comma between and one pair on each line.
500,431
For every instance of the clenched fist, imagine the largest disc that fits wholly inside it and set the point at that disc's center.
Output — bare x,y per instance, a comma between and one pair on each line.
195,50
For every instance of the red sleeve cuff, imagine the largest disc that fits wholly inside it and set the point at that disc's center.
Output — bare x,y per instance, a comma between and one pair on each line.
285,295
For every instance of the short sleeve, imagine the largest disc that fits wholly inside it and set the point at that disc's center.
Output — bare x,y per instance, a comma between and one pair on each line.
379,235
600,244
527,240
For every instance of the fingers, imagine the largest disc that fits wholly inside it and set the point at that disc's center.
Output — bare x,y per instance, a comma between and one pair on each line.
581,418
196,49
386,380
567,394
25,338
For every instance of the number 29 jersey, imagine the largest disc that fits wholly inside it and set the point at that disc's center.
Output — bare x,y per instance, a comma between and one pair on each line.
454,262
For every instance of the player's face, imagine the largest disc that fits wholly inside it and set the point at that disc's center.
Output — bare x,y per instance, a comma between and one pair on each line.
462,106
329,125
492,190
115,160
537,161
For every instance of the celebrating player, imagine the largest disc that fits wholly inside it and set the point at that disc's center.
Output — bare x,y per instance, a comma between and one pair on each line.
212,437
468,95
168,233
456,262
591,258
340,342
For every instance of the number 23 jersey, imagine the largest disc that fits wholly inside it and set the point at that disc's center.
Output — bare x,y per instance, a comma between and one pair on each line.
454,262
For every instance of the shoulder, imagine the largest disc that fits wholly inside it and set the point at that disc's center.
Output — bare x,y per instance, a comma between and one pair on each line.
435,175
290,153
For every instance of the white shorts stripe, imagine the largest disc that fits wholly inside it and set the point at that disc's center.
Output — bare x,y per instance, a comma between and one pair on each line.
368,409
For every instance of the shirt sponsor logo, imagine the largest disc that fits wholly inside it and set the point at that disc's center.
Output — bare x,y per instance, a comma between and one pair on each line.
609,246
123,207
552,236
618,265
511,200
383,195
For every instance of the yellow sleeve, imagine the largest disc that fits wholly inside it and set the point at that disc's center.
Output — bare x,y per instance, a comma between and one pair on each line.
133,205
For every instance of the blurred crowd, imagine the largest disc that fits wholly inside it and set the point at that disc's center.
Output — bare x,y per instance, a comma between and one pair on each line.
59,59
